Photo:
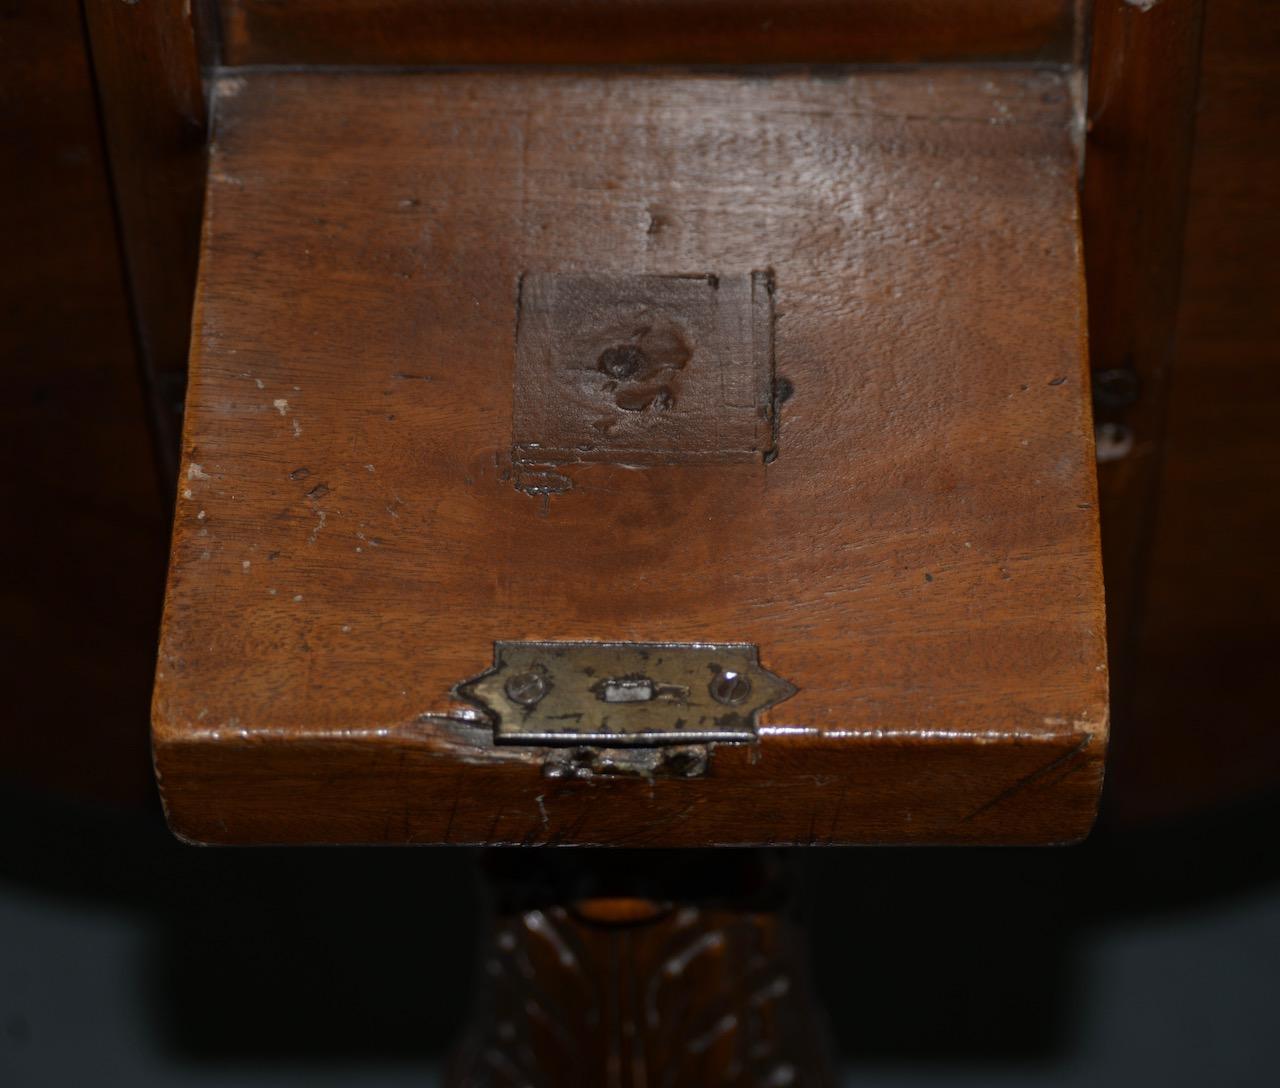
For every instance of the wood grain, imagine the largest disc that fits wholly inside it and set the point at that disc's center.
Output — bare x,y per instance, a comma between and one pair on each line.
152,106
85,524
1200,730
409,32
688,997
920,559
606,369
1142,96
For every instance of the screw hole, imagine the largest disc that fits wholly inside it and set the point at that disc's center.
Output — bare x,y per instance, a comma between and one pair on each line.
622,362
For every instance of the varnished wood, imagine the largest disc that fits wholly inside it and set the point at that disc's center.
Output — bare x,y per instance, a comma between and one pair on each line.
152,106
1142,94
919,560
706,985
1200,730
84,546
408,32
686,998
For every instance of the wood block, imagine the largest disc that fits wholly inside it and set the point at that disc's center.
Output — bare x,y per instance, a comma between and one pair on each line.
898,517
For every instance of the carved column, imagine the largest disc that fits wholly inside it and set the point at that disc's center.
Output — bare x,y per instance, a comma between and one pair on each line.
630,992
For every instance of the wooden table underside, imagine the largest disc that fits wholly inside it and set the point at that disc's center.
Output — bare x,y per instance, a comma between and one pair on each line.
920,559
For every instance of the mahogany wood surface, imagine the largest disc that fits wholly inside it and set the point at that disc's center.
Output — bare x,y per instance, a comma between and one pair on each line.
920,559
1142,97
640,968
408,32
152,105
1201,728
685,998
86,528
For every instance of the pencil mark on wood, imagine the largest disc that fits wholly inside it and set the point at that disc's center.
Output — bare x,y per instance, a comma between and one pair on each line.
1037,775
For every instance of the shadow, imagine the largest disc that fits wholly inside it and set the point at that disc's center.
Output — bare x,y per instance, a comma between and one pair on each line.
974,956
944,956
265,954
291,956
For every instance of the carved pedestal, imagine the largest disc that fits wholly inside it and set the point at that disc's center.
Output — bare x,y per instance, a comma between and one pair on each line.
633,992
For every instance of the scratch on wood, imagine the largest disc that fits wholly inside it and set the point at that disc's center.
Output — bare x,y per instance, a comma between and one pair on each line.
1031,778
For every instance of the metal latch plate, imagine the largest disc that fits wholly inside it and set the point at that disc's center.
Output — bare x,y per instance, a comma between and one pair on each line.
620,693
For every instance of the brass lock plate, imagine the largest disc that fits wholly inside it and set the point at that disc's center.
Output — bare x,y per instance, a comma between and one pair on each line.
624,693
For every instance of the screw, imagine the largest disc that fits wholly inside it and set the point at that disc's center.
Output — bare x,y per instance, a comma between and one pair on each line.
622,362
525,688
1115,388
1112,441
729,687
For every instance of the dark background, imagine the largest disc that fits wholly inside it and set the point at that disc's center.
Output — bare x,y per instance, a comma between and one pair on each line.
1149,955
127,958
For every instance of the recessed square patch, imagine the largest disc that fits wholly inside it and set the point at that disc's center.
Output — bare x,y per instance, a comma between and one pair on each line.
644,369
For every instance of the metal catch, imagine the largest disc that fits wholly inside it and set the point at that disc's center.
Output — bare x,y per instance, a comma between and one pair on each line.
624,693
